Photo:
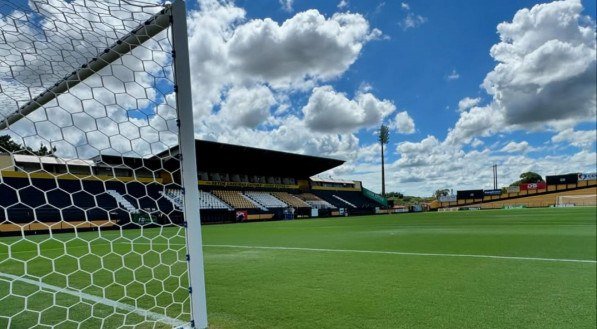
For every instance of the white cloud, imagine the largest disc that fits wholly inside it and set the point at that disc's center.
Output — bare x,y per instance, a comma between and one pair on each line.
286,4
330,111
305,48
579,138
517,147
247,69
478,121
342,4
545,77
411,20
453,76
476,142
247,107
428,151
403,123
429,164
292,57
546,69
468,103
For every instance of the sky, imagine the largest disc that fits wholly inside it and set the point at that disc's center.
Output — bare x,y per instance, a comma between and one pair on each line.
462,85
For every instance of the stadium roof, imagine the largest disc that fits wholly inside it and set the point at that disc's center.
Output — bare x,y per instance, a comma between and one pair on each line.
51,160
228,158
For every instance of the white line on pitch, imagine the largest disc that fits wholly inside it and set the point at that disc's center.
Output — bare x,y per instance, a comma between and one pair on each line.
108,302
381,252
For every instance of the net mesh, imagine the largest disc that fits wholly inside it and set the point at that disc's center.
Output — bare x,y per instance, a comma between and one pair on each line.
90,233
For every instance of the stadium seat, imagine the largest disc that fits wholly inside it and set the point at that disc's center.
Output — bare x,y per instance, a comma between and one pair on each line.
265,199
236,199
291,200
316,202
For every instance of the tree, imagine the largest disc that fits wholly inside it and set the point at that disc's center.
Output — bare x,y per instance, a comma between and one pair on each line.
395,195
45,151
441,192
528,177
7,145
384,138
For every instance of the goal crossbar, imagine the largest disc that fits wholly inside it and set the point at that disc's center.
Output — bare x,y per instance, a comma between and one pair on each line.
145,31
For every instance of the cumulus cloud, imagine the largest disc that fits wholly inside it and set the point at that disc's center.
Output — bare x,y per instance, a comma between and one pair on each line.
306,47
247,107
545,77
579,138
403,123
342,4
517,147
243,73
468,103
478,121
330,111
476,142
426,165
546,69
428,151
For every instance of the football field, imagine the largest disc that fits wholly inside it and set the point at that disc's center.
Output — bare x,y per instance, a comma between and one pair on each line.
519,268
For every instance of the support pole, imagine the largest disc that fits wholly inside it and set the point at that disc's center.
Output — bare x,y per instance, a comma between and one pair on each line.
186,132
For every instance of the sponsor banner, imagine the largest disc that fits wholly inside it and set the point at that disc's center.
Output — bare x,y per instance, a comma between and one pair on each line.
244,184
492,192
447,198
562,179
513,189
242,215
587,176
470,194
533,186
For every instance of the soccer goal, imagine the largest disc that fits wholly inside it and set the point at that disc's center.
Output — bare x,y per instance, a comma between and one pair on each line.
99,212
576,200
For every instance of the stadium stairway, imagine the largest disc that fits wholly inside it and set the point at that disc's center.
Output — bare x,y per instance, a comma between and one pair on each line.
290,199
346,202
315,201
265,199
123,202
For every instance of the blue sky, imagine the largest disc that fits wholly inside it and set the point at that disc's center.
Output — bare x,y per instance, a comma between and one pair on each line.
425,58
411,66
463,85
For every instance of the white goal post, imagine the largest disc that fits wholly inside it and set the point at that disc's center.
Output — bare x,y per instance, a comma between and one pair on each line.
576,200
94,97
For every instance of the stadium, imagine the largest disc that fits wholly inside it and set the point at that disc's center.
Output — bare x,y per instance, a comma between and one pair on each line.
115,214
108,191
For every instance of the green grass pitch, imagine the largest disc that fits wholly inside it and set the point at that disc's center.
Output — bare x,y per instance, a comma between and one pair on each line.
425,270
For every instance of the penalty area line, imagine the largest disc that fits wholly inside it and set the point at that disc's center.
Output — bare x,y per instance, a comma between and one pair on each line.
401,253
108,302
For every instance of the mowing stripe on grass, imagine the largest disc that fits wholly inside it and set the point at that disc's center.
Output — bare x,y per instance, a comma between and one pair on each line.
381,252
108,302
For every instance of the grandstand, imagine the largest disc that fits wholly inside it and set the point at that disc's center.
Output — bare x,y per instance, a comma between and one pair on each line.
571,189
140,191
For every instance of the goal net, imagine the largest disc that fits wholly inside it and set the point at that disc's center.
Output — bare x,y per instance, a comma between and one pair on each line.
576,200
99,216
